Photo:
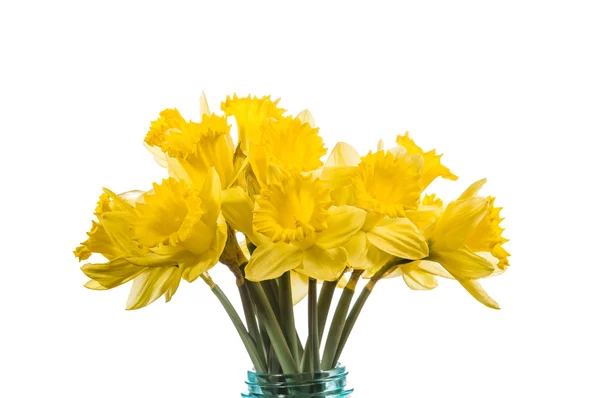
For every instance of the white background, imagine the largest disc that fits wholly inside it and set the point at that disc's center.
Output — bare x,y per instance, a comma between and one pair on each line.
506,90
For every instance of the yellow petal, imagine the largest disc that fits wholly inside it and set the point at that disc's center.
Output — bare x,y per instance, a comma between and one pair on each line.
339,170
197,265
434,269
150,285
324,264
457,222
177,169
343,154
473,189
475,289
241,164
94,285
159,156
493,260
357,250
400,238
237,208
306,117
429,211
419,280
172,289
271,260
204,109
463,264
211,197
299,286
112,273
117,202
374,259
343,222
118,228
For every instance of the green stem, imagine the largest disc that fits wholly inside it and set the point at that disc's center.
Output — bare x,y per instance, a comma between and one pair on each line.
257,361
354,313
286,314
337,323
325,298
323,306
313,332
251,321
274,367
360,303
265,339
299,345
267,316
270,289
271,292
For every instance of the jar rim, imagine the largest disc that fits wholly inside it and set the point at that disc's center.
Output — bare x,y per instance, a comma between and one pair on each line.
339,368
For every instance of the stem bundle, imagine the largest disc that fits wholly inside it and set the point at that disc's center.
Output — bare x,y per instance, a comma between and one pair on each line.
271,338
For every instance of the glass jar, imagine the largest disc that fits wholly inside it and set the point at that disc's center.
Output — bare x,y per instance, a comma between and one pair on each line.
328,383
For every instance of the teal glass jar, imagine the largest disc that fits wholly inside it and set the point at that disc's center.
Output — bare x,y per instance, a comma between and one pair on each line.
326,384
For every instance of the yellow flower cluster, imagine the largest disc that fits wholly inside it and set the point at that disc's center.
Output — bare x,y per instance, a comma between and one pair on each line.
297,213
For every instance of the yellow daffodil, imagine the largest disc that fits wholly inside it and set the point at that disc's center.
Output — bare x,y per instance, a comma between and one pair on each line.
463,239
432,165
191,149
170,232
289,143
250,113
149,283
387,183
364,184
295,227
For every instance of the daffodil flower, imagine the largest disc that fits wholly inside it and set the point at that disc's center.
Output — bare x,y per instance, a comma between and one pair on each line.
170,232
191,149
388,183
250,113
463,239
289,143
294,227
384,183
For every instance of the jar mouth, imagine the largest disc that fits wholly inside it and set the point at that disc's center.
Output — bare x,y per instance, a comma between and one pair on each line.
330,383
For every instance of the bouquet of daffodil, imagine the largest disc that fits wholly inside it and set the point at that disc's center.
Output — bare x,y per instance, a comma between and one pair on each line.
283,221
